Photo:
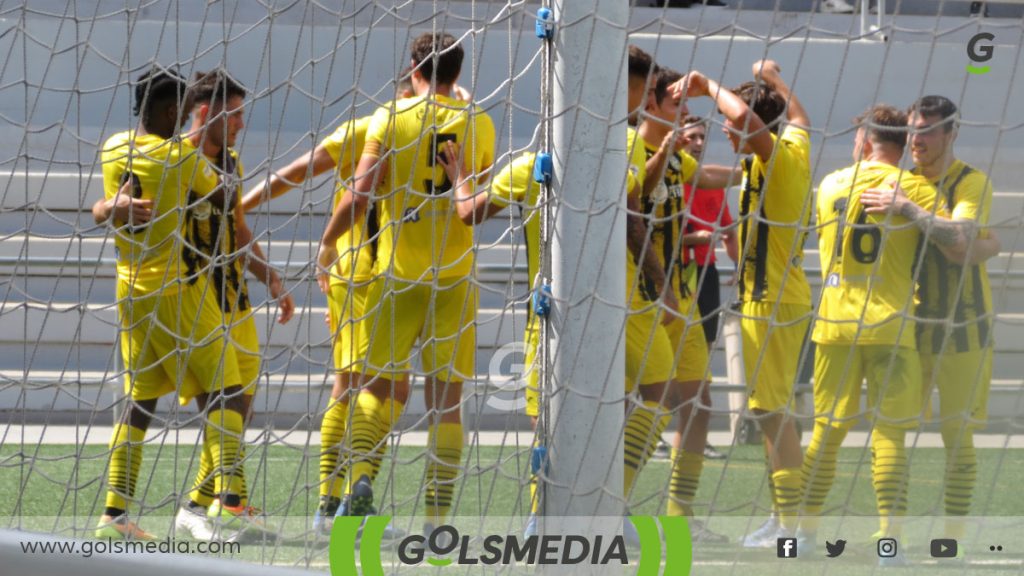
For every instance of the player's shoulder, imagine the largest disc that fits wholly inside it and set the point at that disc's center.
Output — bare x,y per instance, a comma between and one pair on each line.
969,176
119,140
795,138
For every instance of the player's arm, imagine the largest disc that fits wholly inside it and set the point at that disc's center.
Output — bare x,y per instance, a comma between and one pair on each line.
946,234
472,207
695,84
698,238
718,176
768,71
707,175
732,244
122,208
977,251
347,213
316,161
257,266
972,206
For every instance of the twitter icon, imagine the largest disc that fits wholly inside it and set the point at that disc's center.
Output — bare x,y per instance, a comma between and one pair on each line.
835,550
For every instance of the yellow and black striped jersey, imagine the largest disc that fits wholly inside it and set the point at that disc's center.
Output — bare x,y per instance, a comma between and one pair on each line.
164,171
212,242
639,289
950,294
665,209
868,261
775,211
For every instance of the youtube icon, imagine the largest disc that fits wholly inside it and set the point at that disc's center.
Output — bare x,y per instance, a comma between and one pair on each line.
944,548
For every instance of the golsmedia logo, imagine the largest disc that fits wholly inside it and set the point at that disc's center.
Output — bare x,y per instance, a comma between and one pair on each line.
447,546
979,52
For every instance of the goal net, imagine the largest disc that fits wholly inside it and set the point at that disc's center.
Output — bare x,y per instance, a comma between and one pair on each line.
634,291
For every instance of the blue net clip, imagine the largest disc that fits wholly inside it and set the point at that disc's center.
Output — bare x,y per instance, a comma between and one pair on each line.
542,300
539,459
545,26
543,167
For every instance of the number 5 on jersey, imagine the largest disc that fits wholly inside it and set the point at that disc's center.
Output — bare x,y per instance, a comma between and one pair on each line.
436,143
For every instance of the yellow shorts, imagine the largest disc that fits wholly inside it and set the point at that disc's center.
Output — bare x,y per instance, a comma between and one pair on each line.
689,343
963,380
771,351
443,319
346,308
894,384
648,349
531,340
246,342
174,342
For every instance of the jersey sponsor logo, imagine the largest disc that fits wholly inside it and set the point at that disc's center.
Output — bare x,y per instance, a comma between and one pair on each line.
411,215
832,281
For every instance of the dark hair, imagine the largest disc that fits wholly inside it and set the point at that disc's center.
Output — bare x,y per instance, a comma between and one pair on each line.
641,65
691,121
157,88
884,123
936,107
404,81
768,104
214,88
441,50
663,78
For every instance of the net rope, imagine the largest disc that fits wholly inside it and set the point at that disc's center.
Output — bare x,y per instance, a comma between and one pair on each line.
65,86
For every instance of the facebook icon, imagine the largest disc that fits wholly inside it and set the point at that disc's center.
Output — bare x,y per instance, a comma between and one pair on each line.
787,547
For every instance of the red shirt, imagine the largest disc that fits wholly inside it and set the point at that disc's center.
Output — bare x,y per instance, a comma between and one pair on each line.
709,206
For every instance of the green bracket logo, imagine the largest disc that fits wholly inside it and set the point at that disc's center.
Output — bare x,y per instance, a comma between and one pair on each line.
666,551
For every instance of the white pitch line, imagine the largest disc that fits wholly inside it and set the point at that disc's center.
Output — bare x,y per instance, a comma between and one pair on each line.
35,434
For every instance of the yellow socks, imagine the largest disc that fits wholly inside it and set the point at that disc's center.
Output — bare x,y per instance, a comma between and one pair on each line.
644,427
224,439
332,432
787,484
390,412
445,443
889,475
363,434
125,460
819,471
683,484
202,490
961,475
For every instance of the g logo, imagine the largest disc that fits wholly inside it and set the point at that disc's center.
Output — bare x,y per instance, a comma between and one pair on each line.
980,53
518,370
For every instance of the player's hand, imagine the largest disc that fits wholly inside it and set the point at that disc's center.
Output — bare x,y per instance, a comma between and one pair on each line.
671,312
448,158
767,70
673,141
700,238
884,200
461,93
284,301
129,210
690,86
326,257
